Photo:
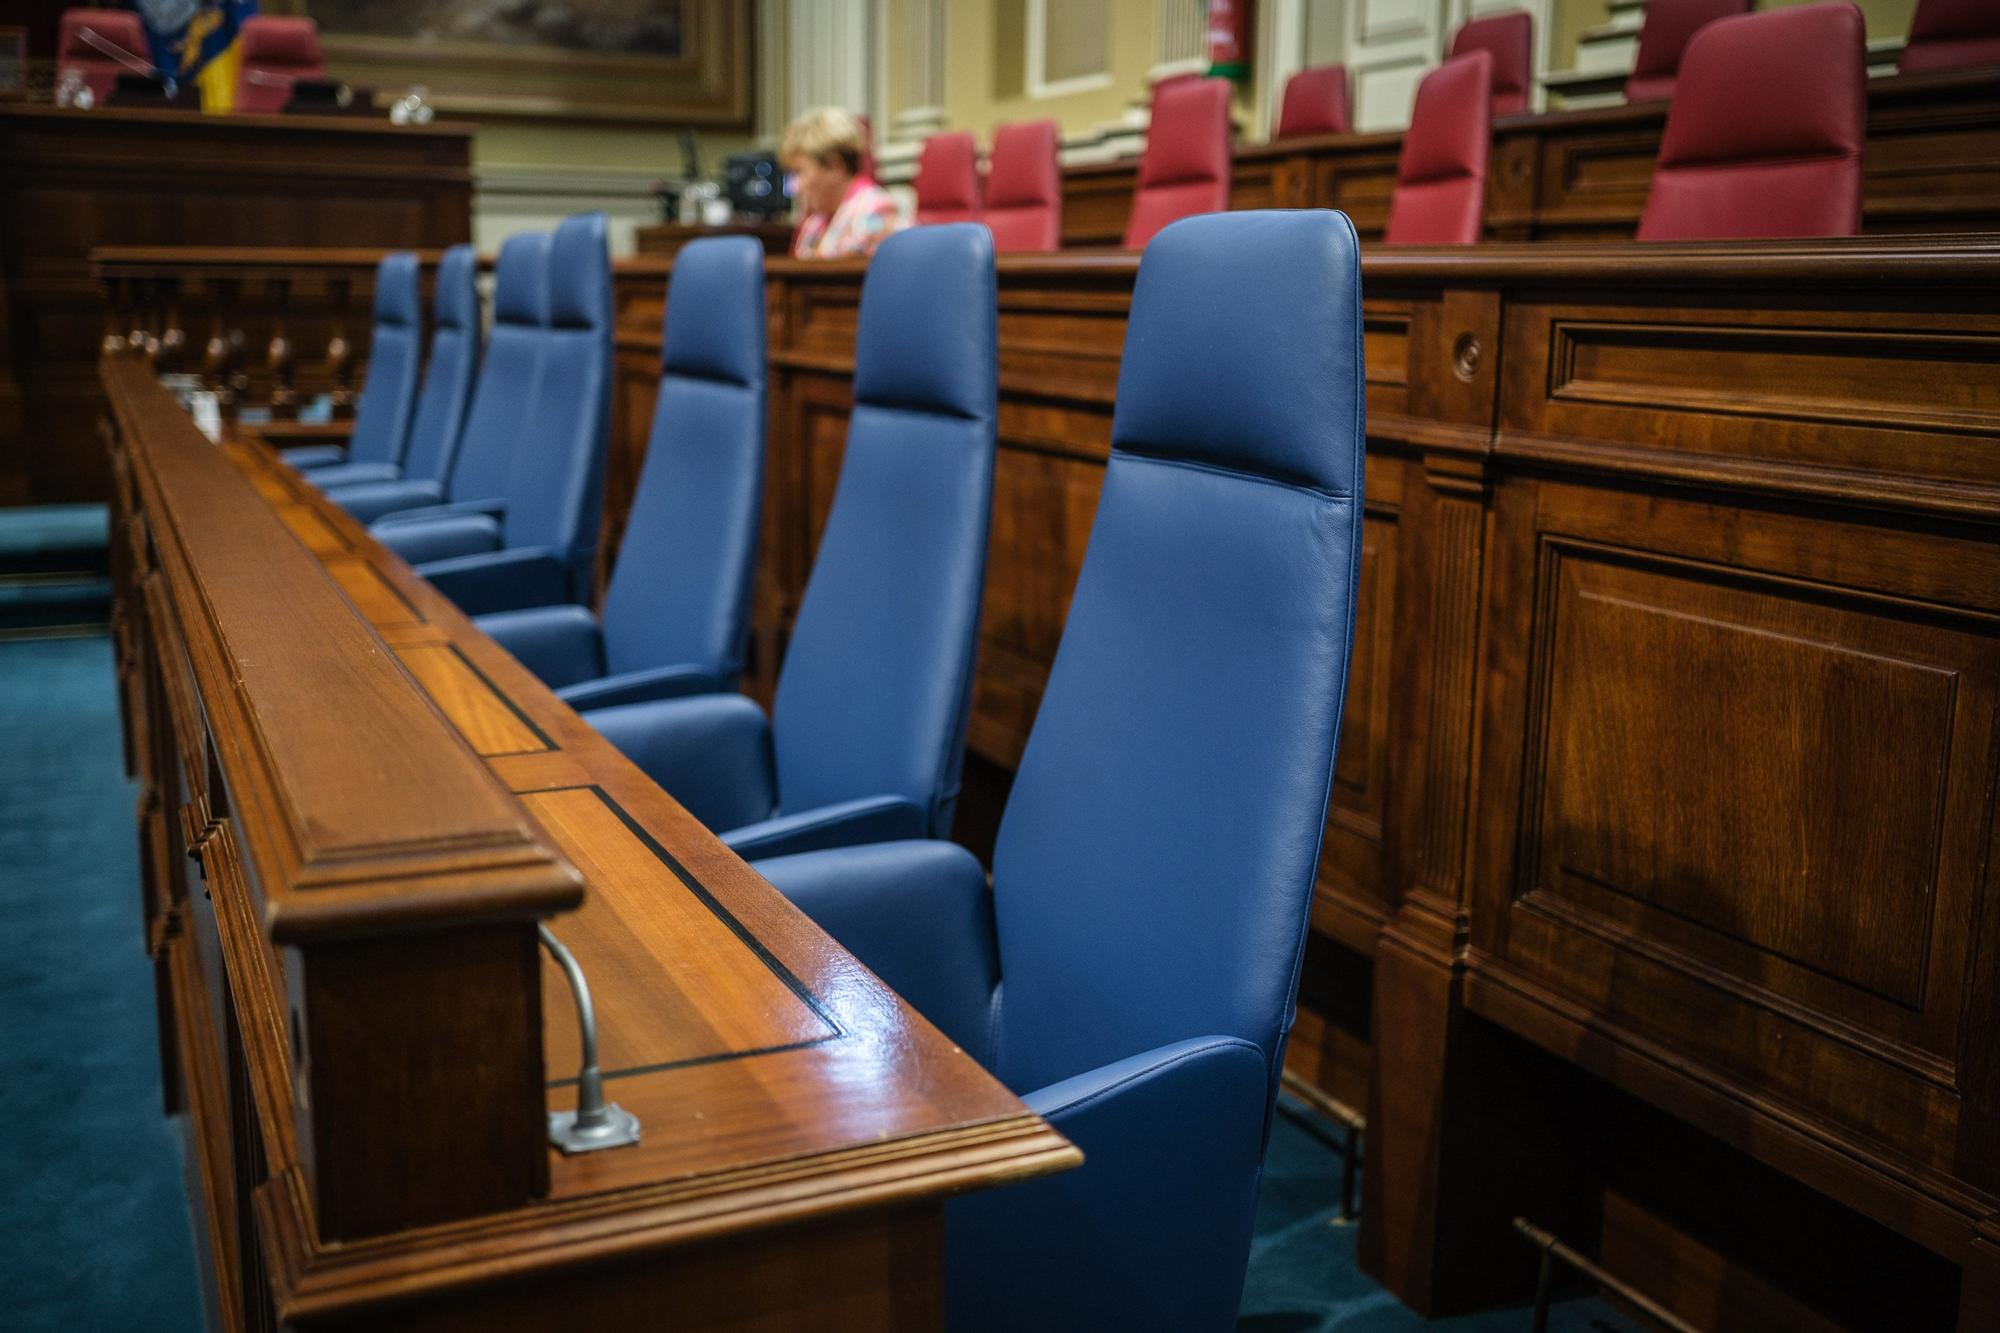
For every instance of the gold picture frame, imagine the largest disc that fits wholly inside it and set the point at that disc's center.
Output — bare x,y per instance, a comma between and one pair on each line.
707,83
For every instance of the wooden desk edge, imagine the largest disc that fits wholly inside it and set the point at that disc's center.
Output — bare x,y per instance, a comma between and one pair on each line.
555,1233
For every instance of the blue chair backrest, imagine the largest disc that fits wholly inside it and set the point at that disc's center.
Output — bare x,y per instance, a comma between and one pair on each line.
512,367
878,676
1155,864
382,417
448,374
681,590
554,491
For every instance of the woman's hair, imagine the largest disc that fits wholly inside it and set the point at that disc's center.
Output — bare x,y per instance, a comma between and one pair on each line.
825,133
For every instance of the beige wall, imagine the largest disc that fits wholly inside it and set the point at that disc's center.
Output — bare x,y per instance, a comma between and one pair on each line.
985,50
985,59
1886,18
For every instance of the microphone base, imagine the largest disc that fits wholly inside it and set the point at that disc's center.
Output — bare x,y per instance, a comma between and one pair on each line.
620,1129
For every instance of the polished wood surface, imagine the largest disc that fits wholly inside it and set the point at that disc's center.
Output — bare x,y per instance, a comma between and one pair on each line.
383,805
1932,164
1667,776
72,180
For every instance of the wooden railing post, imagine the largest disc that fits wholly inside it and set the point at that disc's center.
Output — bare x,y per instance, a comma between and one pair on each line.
340,352
278,356
114,315
171,353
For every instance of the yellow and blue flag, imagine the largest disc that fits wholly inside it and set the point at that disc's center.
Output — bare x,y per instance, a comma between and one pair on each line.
197,39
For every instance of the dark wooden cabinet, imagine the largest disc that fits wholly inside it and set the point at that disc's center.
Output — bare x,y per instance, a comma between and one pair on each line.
74,180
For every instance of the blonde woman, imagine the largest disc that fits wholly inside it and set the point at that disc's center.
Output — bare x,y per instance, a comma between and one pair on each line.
846,212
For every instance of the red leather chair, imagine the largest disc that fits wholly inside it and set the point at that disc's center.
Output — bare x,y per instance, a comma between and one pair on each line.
1315,103
1510,37
89,42
276,53
1664,36
1765,132
1950,34
1440,196
1024,188
1185,168
948,179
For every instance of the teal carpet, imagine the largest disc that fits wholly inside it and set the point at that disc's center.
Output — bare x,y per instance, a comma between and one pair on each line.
52,570
1303,1278
93,1215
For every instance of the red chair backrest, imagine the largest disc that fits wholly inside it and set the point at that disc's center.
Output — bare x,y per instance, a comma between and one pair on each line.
1765,131
118,29
1664,36
1950,34
948,179
1024,188
276,52
1440,196
1510,37
1315,103
1185,168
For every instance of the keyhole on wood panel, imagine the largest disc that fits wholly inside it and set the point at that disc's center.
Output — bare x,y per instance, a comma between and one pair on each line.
1465,357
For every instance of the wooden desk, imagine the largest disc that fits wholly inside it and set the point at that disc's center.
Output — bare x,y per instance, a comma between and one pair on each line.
355,811
1661,844
1660,855
72,180
1932,164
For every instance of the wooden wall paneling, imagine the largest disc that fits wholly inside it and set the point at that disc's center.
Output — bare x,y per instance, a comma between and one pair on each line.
1712,592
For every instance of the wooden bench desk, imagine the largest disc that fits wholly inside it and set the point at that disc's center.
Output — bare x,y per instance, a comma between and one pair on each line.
356,809
1932,164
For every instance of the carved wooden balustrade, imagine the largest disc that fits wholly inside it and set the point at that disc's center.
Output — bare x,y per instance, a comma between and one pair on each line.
269,329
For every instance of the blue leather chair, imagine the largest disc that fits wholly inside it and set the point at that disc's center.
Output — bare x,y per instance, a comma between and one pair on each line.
1131,971
677,609
538,549
506,384
867,734
389,394
447,388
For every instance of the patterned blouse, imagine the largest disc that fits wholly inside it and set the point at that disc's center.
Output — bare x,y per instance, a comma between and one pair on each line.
866,214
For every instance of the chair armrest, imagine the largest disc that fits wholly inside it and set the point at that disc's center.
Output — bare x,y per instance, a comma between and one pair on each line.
312,457
493,509
712,752
842,824
353,474
919,915
371,500
439,539
1154,1230
637,687
489,581
560,644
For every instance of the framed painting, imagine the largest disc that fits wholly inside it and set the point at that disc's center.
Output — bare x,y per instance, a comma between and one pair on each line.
681,62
